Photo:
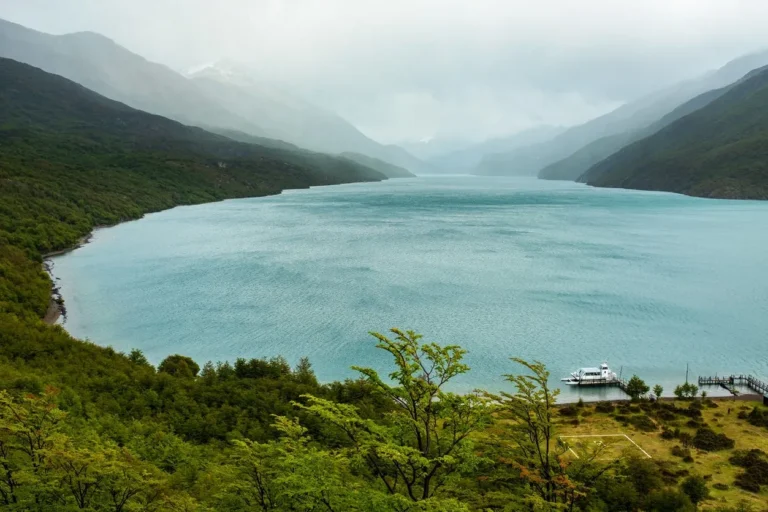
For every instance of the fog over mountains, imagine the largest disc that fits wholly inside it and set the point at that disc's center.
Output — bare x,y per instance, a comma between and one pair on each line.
476,100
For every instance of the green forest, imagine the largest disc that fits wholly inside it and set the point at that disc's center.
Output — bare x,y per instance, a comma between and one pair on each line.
83,427
716,151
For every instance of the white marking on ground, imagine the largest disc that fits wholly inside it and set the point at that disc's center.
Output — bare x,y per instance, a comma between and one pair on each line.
611,435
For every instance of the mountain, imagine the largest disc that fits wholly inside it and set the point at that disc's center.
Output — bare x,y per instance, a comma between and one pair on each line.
573,166
719,150
72,159
287,117
628,118
385,168
467,158
103,66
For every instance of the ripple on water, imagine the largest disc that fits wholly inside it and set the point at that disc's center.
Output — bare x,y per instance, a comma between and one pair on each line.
558,272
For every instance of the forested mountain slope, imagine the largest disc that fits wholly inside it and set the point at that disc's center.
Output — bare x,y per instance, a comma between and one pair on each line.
719,150
574,166
72,159
628,118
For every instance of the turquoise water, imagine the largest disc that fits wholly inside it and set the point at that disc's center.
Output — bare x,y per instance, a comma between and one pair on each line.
559,272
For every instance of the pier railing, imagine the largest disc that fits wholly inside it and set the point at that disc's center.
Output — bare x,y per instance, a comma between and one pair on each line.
736,380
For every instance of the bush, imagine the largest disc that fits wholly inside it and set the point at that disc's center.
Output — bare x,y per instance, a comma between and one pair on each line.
747,482
720,486
642,422
605,407
569,410
679,451
669,500
696,489
708,440
757,417
668,434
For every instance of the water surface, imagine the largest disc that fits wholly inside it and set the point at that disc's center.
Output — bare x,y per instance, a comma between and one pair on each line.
559,272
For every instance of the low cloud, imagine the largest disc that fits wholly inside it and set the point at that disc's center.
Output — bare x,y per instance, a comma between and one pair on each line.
407,69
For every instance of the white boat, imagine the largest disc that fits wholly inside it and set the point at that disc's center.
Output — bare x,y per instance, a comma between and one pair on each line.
591,376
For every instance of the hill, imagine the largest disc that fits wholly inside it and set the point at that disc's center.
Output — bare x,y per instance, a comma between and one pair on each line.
622,122
73,159
572,167
209,99
387,169
719,150
467,158
287,117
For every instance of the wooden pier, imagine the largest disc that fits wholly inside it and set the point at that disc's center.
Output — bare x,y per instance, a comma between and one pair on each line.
736,380
620,383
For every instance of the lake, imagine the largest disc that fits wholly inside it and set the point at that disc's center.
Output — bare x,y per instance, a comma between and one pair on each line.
559,272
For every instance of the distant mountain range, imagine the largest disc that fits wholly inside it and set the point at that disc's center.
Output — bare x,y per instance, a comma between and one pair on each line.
668,107
569,154
718,150
210,98
466,159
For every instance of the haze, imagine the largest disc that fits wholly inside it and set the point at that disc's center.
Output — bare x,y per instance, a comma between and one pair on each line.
405,71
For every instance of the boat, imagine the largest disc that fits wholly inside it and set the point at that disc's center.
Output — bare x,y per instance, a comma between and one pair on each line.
601,375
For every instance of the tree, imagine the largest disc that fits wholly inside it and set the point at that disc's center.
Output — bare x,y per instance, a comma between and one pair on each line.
424,443
137,356
179,366
304,372
636,387
669,500
539,454
687,390
658,390
696,488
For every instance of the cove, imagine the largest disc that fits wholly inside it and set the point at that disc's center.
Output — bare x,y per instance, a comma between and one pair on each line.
559,272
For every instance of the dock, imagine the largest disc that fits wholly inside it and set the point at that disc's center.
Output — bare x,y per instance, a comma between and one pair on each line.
736,380
620,383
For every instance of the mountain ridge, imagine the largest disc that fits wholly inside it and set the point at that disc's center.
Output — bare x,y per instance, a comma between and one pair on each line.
719,150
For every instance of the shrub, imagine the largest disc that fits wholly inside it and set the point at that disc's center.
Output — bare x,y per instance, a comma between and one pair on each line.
569,410
667,433
757,417
679,451
605,407
747,482
720,486
642,422
708,440
696,489
669,500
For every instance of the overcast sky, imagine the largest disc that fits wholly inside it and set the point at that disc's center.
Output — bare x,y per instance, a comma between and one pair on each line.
408,69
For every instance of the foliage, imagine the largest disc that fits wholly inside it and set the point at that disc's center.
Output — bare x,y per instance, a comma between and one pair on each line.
424,443
658,390
636,387
539,453
686,390
755,474
716,151
706,439
696,488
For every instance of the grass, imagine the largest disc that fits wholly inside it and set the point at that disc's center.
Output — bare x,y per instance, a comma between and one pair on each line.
714,466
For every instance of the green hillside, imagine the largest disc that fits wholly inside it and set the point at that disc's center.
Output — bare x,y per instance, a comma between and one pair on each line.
385,168
574,166
720,150
72,160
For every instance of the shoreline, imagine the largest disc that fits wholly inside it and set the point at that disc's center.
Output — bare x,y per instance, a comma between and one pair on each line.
56,306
